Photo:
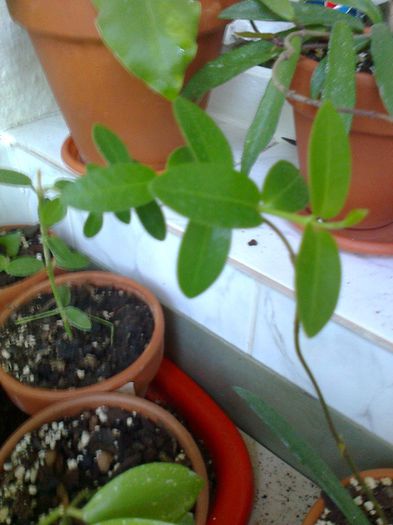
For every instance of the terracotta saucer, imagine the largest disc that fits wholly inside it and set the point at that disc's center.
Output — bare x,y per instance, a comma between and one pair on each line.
71,157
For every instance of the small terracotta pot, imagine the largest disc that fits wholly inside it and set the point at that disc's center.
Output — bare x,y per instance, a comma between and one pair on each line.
91,86
8,293
32,399
316,510
371,143
158,415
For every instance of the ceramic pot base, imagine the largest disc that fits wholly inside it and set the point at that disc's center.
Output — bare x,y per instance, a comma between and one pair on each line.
71,158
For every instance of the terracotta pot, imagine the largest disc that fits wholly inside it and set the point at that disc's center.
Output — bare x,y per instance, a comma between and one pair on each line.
8,293
32,399
316,510
371,143
72,407
91,86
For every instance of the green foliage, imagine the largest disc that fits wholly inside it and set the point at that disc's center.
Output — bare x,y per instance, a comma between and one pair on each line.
51,211
13,265
382,53
10,243
283,8
154,39
93,224
284,188
109,145
77,318
67,258
14,178
320,471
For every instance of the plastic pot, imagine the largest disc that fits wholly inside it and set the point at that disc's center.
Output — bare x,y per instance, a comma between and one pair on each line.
32,399
371,144
72,407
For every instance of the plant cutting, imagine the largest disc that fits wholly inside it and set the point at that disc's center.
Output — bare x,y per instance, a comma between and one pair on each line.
327,55
120,432
158,41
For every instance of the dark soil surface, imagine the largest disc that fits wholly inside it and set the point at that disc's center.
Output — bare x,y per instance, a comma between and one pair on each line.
52,465
39,352
30,245
10,417
383,491
364,61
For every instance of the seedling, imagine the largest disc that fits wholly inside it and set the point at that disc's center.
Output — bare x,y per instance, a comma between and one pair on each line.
10,262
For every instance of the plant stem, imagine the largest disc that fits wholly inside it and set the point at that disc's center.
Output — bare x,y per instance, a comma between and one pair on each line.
74,513
42,315
52,516
282,237
49,261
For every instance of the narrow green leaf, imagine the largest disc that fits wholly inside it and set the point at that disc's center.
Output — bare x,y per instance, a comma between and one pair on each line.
153,220
353,217
249,10
140,521
66,257
210,194
51,211
318,278
329,163
4,261
124,216
227,66
163,491
14,178
77,318
284,188
65,294
382,53
368,8
341,63
283,8
324,476
93,224
265,121
204,138
11,243
203,253
182,155
114,188
154,39
318,79
23,266
110,145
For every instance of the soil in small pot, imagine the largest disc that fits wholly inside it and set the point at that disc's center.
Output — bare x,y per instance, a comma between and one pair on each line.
30,245
10,417
51,465
39,353
383,491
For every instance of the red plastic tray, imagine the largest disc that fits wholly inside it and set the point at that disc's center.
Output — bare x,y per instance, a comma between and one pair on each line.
233,500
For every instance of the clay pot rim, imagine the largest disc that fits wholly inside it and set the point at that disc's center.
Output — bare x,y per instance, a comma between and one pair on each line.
316,510
146,408
113,382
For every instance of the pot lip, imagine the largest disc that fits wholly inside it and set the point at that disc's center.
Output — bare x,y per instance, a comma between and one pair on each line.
147,408
113,382
316,510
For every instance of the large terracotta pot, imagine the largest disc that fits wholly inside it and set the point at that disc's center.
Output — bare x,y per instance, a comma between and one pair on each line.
73,407
141,372
371,143
316,510
91,86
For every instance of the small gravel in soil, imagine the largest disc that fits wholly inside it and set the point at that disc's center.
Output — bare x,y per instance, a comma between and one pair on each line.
39,352
51,465
30,245
383,491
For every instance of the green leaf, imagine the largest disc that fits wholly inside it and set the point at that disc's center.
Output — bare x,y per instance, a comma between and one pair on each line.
24,266
227,66
66,258
153,220
341,63
14,178
204,138
153,39
77,318
61,184
320,471
187,519
203,253
249,10
114,188
318,278
124,216
368,8
182,155
382,53
11,243
140,521
51,211
110,145
283,8
210,194
353,217
265,121
93,224
284,188
4,261
64,292
163,491
318,79
329,163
